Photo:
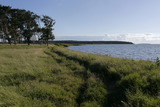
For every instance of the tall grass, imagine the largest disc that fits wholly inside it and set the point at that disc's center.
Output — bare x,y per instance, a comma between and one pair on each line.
123,78
18,66
34,76
55,76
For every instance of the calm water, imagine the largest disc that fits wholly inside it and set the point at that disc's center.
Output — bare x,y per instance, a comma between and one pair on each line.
136,52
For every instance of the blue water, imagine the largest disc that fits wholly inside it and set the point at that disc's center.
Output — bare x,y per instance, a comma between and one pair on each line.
131,51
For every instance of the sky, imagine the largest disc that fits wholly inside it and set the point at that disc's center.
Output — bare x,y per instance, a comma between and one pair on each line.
137,21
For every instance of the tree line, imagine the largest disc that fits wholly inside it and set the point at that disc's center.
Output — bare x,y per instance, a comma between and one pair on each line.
19,26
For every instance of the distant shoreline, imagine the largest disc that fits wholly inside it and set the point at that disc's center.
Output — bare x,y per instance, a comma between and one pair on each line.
91,42
73,42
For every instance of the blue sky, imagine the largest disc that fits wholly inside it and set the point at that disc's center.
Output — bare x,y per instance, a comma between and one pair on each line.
109,18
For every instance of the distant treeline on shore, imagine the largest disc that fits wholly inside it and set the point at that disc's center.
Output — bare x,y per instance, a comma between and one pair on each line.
75,42
92,42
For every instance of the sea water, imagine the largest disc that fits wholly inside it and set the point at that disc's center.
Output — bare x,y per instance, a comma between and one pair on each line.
128,51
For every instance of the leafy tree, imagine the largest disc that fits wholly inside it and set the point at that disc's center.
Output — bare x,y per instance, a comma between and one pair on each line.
20,22
47,29
17,25
5,22
30,26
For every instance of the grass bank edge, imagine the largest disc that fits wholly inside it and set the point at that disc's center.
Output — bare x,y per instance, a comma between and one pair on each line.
124,78
128,82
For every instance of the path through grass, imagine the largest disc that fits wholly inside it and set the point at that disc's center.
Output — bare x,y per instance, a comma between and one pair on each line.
40,76
37,77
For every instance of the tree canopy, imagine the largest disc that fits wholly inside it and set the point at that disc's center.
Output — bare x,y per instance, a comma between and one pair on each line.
47,29
19,26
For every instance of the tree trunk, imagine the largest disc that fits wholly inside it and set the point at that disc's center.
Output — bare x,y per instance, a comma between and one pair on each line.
28,40
3,38
15,41
7,34
9,40
47,41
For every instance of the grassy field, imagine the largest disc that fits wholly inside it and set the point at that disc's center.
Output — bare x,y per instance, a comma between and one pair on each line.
40,76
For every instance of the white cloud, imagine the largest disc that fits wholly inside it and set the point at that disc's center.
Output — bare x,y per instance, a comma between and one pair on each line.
135,38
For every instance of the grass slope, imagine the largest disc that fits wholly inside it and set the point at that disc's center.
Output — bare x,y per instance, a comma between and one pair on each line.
41,76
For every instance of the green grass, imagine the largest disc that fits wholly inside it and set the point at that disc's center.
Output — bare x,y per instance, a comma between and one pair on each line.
122,78
40,76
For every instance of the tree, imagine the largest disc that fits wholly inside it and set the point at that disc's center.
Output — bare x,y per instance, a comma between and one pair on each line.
47,29
30,26
17,25
5,19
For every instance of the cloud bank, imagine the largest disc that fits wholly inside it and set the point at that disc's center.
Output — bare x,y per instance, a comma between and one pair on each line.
135,38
